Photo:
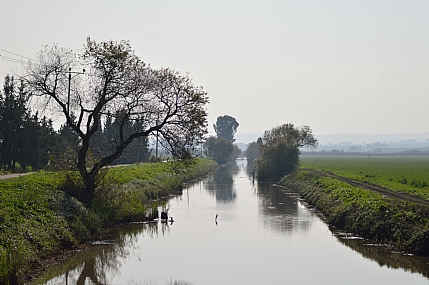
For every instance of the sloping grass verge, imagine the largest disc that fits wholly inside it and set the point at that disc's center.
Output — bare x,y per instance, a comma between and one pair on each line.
38,218
400,224
407,174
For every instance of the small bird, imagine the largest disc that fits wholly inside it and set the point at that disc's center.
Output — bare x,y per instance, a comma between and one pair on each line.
216,217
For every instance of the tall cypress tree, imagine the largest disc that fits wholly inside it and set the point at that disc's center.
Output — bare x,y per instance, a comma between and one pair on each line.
12,112
39,141
25,139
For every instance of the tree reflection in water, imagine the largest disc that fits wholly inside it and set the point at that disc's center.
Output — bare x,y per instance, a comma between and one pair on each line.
221,183
282,211
385,256
272,213
102,260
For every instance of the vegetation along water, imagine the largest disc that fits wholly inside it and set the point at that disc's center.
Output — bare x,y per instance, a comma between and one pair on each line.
379,198
230,229
38,218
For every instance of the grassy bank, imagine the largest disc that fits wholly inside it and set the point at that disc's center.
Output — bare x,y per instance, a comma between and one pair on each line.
38,218
408,174
400,224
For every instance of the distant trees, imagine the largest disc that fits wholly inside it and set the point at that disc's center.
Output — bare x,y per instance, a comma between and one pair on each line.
30,142
252,151
236,152
12,113
142,100
279,150
226,127
25,139
221,147
104,141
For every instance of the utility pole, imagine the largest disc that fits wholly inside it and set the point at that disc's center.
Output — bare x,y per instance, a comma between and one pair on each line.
156,149
68,104
68,94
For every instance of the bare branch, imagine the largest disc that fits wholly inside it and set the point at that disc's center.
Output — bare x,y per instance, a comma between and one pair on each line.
117,82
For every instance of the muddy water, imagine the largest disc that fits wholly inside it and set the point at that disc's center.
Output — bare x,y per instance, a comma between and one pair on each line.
263,235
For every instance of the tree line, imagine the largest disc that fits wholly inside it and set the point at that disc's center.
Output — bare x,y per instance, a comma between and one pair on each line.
29,141
113,109
272,156
26,140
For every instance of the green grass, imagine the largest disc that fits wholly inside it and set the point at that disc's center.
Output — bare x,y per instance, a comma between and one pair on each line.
350,195
138,188
408,174
29,227
401,224
143,171
38,218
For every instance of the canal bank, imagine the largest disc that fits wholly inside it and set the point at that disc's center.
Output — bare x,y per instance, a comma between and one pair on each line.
262,235
394,220
39,219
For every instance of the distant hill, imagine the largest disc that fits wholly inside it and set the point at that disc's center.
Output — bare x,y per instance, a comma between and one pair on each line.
352,139
370,138
246,138
241,146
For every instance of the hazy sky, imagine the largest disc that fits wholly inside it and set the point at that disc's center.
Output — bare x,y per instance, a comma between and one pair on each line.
337,66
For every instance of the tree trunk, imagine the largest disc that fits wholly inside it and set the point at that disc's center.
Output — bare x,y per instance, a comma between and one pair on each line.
87,194
89,178
89,191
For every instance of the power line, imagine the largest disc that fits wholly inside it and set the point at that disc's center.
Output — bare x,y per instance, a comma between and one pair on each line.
10,59
18,55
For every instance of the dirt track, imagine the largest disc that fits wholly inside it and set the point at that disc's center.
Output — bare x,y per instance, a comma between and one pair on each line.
379,189
14,175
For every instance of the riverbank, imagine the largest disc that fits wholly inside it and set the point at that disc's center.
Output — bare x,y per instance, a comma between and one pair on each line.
398,223
39,219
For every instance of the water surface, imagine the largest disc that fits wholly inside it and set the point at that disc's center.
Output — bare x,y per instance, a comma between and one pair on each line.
263,235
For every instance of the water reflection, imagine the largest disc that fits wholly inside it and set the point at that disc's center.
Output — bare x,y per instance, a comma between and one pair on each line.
385,257
272,237
282,211
102,261
251,170
221,183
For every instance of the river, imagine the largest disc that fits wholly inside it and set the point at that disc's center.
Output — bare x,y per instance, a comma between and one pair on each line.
263,235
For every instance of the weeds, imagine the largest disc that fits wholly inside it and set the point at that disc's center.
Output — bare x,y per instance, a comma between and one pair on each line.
401,224
40,214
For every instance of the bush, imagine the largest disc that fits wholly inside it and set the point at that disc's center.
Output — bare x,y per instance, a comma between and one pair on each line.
279,150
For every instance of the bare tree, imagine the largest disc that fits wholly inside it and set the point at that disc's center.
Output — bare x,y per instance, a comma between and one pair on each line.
117,82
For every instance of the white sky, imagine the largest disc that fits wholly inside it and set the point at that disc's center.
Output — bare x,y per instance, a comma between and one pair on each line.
337,66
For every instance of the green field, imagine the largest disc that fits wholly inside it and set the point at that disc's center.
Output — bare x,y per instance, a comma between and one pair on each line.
399,223
408,174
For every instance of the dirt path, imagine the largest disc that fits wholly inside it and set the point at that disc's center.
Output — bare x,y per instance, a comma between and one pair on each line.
378,189
14,175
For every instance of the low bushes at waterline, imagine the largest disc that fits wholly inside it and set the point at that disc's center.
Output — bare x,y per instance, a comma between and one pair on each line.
40,216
